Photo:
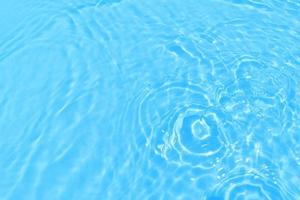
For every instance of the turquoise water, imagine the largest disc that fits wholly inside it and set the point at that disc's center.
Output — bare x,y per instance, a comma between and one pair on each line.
157,99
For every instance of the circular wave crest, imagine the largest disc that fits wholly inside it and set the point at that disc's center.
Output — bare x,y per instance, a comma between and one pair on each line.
181,125
248,185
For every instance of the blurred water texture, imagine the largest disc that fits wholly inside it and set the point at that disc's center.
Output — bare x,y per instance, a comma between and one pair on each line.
159,99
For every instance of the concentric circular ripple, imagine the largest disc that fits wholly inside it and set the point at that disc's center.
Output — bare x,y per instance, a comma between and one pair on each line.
181,124
248,184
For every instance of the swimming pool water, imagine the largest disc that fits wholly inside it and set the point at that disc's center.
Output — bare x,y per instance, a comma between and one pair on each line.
157,99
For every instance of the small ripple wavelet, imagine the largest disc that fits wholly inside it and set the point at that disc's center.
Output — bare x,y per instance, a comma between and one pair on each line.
258,96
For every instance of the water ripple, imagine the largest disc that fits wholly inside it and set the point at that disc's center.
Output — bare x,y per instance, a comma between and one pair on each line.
181,124
249,183
123,99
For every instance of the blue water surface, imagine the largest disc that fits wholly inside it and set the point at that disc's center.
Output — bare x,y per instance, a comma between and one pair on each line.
157,99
